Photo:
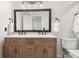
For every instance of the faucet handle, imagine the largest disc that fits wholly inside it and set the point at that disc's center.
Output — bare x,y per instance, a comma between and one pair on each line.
43,29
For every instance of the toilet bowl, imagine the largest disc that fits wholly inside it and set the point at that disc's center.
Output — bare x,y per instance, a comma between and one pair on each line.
71,45
74,53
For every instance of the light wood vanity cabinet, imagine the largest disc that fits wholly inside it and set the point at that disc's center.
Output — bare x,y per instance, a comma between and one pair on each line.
30,47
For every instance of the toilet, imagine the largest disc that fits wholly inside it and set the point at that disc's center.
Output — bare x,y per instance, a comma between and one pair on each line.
74,53
71,45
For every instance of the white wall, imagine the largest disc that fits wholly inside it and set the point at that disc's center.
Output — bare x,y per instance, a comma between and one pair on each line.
5,13
63,10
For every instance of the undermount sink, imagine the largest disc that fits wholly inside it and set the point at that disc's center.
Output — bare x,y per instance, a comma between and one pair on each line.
33,36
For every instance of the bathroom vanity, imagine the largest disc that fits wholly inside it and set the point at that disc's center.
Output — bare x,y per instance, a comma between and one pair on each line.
30,46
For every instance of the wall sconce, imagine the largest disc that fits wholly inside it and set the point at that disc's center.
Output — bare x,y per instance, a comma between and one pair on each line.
32,4
56,25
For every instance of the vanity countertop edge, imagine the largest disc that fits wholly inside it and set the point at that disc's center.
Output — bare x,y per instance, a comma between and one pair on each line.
30,36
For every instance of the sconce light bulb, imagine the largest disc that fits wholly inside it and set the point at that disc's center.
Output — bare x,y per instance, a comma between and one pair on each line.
41,5
34,5
29,5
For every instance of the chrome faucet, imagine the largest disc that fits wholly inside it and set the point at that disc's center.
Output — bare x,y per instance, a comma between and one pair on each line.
43,31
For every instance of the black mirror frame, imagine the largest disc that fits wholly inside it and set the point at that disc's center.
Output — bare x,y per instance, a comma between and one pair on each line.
20,10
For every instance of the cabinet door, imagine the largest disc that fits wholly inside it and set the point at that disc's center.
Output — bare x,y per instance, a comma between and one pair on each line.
8,47
45,48
14,48
19,48
8,50
19,51
45,52
51,52
41,52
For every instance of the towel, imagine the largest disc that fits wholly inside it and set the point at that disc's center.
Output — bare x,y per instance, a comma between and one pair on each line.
76,24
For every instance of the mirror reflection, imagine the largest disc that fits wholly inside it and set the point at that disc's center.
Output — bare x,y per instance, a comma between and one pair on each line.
32,20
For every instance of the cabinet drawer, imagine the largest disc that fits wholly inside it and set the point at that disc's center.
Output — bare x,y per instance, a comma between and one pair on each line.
15,41
45,42
49,42
29,41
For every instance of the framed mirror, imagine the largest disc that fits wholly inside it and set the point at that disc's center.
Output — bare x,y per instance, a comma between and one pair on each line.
36,20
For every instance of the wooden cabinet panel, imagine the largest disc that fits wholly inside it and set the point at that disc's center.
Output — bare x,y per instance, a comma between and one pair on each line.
8,50
51,52
29,52
45,48
30,47
14,50
39,52
45,52
45,42
29,42
19,51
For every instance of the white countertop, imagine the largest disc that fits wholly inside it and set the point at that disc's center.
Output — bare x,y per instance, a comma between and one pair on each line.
31,36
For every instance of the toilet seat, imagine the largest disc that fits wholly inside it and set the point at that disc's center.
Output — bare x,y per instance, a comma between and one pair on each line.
74,53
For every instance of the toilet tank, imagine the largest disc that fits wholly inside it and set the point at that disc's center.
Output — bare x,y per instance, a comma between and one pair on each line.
69,43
